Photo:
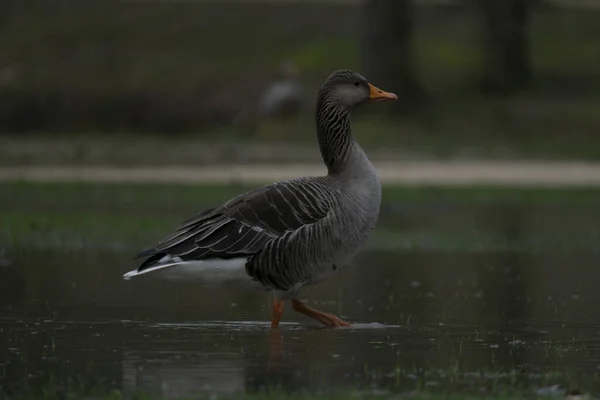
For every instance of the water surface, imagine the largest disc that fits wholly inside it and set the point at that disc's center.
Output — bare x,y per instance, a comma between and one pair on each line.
454,321
453,294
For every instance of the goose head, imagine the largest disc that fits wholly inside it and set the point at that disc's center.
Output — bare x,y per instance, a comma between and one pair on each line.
347,89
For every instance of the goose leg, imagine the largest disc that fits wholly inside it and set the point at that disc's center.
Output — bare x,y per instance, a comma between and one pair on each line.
327,319
277,313
275,349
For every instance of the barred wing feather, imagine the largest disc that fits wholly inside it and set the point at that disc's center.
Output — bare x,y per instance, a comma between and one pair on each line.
245,224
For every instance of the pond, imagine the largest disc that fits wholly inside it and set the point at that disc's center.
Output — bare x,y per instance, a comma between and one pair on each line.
428,314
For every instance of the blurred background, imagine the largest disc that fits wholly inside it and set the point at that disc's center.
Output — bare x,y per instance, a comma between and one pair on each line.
484,78
106,107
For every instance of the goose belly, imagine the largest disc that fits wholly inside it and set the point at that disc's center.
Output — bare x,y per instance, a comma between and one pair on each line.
347,238
338,258
325,270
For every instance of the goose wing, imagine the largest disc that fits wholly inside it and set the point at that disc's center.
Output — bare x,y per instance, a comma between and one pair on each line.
245,224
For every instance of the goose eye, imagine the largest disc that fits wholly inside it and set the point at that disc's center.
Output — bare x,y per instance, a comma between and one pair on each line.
356,83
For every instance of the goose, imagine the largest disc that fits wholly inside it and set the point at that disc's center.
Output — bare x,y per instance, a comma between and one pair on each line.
282,236
284,96
281,98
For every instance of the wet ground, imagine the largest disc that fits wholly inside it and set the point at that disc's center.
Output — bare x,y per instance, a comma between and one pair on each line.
443,321
481,317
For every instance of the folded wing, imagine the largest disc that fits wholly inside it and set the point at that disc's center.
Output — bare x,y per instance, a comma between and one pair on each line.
245,224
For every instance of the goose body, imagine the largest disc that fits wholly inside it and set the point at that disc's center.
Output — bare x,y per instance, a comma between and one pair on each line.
291,233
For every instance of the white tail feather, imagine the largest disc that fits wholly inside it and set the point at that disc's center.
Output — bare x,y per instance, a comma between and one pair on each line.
212,271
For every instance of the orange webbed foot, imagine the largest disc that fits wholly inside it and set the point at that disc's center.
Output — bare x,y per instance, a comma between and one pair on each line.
327,319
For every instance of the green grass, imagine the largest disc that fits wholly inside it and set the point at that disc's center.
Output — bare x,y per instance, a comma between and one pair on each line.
284,396
526,382
150,196
113,216
202,59
73,390
204,42
278,143
483,385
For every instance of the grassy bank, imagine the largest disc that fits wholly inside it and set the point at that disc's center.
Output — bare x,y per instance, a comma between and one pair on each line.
340,396
181,47
189,67
382,140
81,215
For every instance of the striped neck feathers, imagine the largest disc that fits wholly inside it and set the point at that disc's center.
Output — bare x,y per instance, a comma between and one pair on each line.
334,133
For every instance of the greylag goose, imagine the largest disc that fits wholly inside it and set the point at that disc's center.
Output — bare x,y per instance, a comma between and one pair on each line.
284,96
291,233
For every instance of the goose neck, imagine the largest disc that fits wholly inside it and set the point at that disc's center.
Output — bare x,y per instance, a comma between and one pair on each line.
335,135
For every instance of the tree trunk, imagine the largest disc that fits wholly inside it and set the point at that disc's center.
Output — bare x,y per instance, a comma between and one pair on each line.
507,64
6,12
388,52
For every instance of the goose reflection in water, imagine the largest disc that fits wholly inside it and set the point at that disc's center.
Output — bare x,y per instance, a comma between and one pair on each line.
287,360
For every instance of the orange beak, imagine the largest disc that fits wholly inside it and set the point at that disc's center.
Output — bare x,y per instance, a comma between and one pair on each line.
376,94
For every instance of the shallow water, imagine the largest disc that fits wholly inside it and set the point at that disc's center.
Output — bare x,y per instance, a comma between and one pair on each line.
460,291
422,319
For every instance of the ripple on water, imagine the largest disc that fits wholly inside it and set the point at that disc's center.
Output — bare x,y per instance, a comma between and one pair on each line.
260,325
231,325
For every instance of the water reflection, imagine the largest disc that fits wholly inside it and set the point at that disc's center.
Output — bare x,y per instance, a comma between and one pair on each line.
450,320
